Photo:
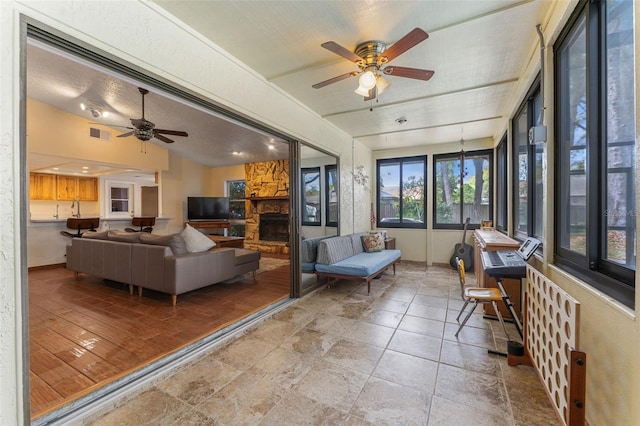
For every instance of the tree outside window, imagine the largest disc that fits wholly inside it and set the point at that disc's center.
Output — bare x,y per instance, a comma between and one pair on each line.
236,194
311,203
400,192
463,188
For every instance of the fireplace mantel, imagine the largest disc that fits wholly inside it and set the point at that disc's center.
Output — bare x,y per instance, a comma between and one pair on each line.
268,198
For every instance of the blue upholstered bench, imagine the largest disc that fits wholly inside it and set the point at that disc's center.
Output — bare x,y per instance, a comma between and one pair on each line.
344,257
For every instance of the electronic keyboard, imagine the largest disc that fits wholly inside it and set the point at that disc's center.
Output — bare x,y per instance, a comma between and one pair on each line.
509,263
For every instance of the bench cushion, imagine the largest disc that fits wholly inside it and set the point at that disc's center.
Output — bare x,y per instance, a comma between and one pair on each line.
362,264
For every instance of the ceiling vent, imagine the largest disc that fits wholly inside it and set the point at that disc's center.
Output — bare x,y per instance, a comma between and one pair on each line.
99,134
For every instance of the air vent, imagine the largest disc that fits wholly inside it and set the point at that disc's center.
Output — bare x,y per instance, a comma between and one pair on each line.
99,134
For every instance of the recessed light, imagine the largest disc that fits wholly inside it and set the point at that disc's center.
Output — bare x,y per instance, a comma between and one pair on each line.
85,171
236,153
271,147
85,167
56,168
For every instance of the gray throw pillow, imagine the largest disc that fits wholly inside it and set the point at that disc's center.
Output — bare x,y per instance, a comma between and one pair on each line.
123,236
95,235
174,241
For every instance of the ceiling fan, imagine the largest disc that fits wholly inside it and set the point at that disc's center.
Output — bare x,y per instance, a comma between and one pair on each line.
371,58
144,130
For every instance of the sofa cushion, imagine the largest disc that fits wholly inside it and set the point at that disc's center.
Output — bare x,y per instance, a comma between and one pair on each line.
174,241
123,236
195,240
361,265
95,235
309,248
245,256
356,240
332,250
373,242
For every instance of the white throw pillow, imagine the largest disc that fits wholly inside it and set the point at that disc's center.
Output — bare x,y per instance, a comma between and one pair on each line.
195,240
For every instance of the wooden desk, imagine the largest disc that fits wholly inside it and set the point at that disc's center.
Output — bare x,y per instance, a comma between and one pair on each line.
492,240
222,241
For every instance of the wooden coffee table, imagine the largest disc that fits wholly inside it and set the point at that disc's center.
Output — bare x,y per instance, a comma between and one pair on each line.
222,241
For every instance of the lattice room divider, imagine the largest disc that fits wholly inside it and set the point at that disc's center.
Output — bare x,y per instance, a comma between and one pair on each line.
551,339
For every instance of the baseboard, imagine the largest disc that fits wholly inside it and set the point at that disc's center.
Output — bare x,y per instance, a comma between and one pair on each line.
44,267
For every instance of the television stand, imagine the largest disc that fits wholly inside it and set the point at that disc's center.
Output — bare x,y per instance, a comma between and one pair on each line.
210,224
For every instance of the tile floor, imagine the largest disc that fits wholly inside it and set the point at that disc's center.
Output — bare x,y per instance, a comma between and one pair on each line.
342,357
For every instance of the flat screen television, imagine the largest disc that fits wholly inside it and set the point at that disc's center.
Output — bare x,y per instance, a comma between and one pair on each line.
208,208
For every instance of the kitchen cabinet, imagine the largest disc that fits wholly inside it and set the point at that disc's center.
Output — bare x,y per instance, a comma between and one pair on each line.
68,188
42,186
87,189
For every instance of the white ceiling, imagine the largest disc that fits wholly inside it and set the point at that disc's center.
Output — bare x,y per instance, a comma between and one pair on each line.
477,48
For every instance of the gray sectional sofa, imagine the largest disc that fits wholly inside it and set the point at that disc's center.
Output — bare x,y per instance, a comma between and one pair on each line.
344,257
156,262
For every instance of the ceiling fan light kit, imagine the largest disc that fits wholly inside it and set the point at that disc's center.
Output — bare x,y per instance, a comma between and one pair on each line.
371,58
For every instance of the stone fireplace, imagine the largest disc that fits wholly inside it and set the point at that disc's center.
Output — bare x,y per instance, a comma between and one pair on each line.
274,227
267,195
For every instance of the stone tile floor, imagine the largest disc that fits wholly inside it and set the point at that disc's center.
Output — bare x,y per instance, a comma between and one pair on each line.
342,357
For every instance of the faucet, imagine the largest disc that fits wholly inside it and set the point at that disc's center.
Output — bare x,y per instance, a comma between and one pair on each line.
56,215
75,203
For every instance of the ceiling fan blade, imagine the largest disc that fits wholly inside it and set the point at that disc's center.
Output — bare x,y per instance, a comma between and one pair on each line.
335,79
124,135
416,73
373,92
171,132
342,51
414,37
162,138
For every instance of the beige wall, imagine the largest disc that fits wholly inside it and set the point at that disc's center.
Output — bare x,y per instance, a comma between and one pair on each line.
219,177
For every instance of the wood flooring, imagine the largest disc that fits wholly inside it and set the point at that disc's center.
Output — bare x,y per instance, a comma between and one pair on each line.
87,333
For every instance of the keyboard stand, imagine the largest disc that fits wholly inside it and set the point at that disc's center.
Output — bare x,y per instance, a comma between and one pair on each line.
509,305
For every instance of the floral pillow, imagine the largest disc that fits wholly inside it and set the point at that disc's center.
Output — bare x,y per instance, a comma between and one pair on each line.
373,242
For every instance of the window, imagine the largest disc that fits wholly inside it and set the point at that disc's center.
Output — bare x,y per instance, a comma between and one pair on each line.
236,194
120,199
331,196
501,185
462,192
595,145
400,192
311,208
528,178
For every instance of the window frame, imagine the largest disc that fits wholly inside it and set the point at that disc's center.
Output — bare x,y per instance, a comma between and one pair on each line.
303,172
534,210
331,169
401,223
615,280
463,154
501,220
